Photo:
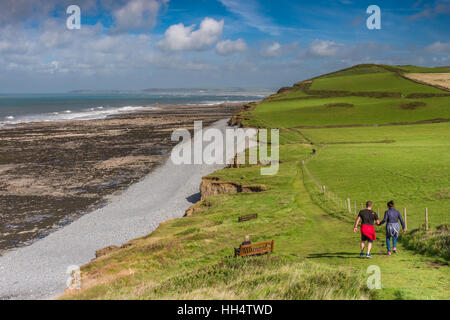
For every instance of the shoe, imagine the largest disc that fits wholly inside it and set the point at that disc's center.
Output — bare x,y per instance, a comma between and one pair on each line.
395,250
362,254
368,256
389,253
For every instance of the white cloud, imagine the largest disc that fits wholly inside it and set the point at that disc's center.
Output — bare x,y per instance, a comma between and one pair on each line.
180,38
323,48
138,14
438,47
276,49
228,47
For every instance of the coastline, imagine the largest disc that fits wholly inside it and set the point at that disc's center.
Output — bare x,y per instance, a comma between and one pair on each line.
52,173
38,271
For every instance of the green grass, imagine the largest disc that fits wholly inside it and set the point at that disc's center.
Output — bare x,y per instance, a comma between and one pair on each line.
356,70
262,278
302,231
316,252
372,82
433,242
416,69
314,112
409,169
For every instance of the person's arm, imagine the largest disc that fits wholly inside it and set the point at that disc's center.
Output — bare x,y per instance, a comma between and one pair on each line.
355,229
384,219
401,221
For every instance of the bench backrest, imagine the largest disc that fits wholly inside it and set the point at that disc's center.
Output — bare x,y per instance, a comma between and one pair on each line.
256,249
248,217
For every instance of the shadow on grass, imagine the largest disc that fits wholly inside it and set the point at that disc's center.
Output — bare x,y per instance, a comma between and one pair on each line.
342,255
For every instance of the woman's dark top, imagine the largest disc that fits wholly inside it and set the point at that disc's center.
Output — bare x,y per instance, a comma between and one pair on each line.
393,216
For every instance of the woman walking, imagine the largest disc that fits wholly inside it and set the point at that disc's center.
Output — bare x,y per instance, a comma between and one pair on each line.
391,218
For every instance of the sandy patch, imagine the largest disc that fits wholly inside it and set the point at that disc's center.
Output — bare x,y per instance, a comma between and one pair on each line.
123,161
435,79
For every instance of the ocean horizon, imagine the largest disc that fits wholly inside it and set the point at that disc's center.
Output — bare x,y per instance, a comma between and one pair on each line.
85,105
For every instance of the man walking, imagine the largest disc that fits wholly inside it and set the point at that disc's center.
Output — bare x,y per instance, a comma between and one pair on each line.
368,218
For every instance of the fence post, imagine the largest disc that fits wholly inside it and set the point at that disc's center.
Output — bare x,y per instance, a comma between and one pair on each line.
324,189
426,218
349,205
406,219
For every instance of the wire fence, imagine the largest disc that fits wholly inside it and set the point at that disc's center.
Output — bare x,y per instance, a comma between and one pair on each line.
347,206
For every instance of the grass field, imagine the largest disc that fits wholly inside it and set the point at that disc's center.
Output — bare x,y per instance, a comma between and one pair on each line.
316,252
411,168
366,111
379,81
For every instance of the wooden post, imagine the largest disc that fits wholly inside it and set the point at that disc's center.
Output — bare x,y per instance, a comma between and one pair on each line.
349,205
426,218
324,189
406,219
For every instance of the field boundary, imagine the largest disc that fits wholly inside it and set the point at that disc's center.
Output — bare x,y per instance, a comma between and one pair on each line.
431,121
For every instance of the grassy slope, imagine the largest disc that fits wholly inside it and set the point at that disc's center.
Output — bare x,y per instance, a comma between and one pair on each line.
378,81
316,253
314,112
410,170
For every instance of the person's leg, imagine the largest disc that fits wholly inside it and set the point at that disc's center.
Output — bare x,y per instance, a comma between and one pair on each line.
394,239
362,249
388,243
369,247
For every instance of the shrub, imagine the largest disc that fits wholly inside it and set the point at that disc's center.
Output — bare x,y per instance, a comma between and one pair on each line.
261,278
435,242
412,105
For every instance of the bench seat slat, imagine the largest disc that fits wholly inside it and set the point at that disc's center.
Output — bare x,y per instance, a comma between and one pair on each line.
255,249
248,217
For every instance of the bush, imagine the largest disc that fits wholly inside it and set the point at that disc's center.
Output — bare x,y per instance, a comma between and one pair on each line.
261,278
413,105
435,242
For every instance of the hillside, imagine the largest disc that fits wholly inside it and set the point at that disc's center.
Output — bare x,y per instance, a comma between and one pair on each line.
379,136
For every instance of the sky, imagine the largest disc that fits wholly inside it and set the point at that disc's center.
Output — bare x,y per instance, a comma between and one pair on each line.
139,44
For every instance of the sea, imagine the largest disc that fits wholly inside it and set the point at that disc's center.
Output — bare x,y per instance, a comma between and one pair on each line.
25,108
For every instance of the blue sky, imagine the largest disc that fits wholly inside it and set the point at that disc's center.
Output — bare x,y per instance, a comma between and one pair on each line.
139,44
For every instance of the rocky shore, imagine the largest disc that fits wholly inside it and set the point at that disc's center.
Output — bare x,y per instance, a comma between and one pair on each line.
51,173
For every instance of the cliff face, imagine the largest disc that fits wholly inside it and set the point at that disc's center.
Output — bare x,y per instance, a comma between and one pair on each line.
212,187
238,118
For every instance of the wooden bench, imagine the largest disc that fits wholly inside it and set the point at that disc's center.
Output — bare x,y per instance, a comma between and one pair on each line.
257,249
248,217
